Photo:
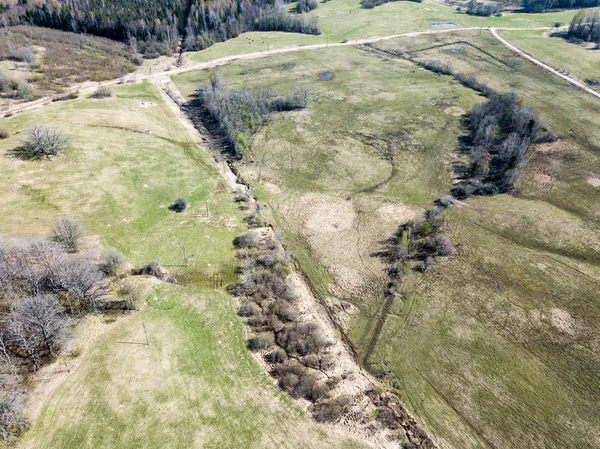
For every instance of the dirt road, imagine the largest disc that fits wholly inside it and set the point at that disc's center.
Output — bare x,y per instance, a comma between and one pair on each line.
216,62
539,63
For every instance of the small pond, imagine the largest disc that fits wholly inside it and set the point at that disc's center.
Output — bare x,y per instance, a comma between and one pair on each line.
456,51
326,76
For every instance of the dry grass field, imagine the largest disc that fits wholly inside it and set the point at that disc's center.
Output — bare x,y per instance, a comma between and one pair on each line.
495,347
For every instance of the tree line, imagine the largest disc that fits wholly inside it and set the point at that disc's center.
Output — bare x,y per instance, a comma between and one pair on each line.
209,22
239,113
585,25
155,27
537,6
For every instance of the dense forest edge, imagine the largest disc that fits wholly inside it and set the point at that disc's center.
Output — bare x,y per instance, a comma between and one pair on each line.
158,28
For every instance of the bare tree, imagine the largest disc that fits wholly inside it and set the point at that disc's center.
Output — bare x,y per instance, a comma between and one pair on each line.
12,420
40,325
83,282
68,232
41,141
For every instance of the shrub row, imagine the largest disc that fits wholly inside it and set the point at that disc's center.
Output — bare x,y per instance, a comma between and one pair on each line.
296,349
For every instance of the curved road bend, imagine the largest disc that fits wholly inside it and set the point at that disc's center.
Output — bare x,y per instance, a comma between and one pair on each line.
203,65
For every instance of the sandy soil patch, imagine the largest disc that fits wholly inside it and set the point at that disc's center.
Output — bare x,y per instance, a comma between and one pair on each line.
397,213
562,320
271,188
543,178
326,214
454,111
594,181
549,147
346,241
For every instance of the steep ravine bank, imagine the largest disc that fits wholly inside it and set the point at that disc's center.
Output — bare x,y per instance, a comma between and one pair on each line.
327,379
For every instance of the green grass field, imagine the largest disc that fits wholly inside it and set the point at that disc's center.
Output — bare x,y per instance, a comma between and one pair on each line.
345,20
195,385
495,347
576,60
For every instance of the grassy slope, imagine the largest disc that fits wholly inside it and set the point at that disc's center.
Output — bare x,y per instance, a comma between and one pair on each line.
323,150
578,61
344,19
479,330
476,348
195,385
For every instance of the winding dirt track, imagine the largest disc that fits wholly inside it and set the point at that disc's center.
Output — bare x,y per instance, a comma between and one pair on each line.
216,62
539,63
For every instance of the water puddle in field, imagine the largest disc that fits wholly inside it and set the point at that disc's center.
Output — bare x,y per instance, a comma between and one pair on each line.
456,51
438,25
326,76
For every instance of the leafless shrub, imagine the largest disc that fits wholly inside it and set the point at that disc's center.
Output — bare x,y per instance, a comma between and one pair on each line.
102,92
41,142
261,341
67,232
426,264
39,326
83,283
302,338
154,269
277,356
331,410
441,245
249,309
111,261
12,420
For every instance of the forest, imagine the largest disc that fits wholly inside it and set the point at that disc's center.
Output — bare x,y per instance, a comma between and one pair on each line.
155,27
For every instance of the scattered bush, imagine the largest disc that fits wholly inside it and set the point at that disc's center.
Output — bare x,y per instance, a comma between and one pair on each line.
4,133
482,9
180,205
262,341
41,141
154,269
111,261
102,92
42,288
67,232
299,346
14,88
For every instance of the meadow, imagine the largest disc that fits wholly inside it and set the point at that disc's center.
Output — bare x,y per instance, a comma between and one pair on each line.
493,347
195,383
581,61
